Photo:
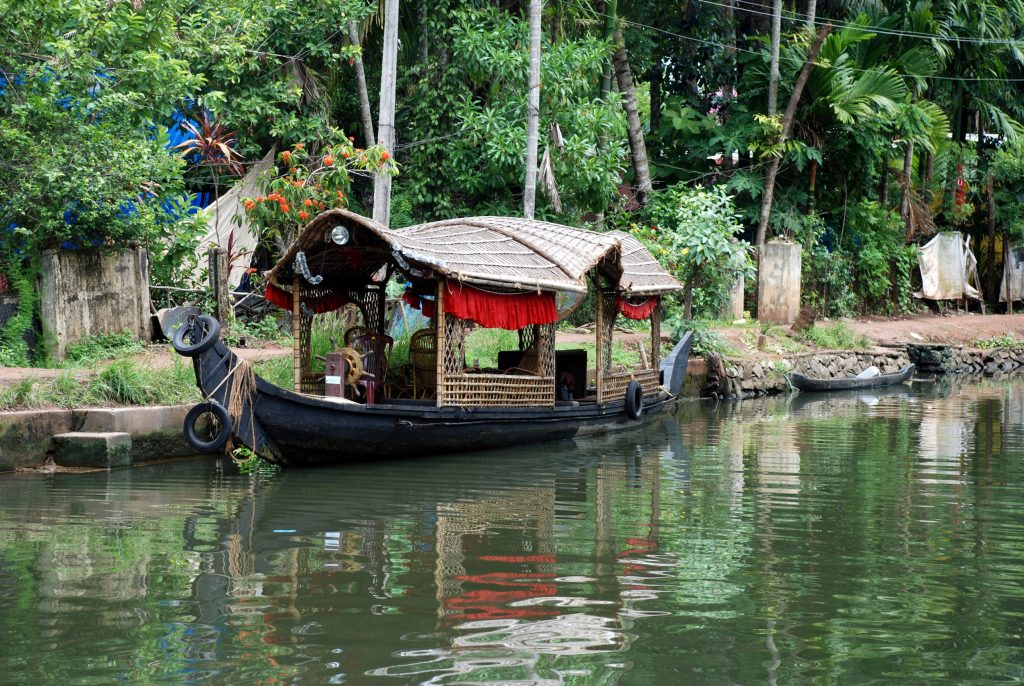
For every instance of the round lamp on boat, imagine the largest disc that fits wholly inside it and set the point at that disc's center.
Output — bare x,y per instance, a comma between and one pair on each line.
339,235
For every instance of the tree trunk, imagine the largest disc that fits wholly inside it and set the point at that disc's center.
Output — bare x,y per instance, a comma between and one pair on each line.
992,280
787,123
883,186
657,78
773,69
729,15
532,111
637,145
364,96
812,6
687,301
386,133
610,11
908,170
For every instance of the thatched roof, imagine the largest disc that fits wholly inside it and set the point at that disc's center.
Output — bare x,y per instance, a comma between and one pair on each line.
502,252
641,273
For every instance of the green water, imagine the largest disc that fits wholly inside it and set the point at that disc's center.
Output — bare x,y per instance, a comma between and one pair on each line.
843,540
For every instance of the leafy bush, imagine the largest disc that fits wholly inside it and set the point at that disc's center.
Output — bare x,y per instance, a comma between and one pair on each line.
838,336
884,263
693,233
826,282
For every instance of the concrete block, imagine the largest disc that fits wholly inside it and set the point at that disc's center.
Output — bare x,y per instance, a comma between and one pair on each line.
778,283
93,449
156,431
88,292
26,436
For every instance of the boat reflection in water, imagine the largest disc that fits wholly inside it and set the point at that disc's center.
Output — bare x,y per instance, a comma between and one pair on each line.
876,538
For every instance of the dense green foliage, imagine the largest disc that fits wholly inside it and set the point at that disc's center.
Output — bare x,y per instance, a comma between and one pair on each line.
909,116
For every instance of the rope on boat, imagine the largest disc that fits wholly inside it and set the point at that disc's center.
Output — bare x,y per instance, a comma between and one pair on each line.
241,394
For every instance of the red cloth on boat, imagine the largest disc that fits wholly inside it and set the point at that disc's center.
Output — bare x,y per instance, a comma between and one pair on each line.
499,310
428,307
641,311
329,303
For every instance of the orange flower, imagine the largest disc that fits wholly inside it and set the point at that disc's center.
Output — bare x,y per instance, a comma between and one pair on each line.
249,204
328,161
351,139
287,156
293,170
341,196
303,215
385,156
346,154
299,146
260,199
307,202
274,196
284,207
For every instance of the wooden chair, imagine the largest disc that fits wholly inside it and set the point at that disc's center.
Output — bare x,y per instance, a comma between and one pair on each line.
375,348
423,358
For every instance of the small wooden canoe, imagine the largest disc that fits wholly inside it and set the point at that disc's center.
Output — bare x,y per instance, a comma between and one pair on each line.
807,384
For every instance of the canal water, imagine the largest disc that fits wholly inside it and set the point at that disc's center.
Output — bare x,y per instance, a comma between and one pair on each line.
836,539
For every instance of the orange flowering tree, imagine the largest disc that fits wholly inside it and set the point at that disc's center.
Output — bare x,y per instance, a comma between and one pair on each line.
310,184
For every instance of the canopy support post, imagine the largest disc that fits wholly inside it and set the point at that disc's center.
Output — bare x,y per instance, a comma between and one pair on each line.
296,335
598,346
656,336
441,343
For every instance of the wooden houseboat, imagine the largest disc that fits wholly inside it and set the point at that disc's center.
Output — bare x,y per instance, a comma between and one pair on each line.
462,274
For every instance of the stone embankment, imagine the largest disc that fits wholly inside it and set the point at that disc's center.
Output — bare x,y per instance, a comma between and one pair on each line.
736,378
91,437
941,359
751,377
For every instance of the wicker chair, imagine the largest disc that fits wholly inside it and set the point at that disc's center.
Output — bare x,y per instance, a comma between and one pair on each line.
423,358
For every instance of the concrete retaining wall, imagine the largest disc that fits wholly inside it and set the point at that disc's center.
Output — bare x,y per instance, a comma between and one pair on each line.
89,292
27,438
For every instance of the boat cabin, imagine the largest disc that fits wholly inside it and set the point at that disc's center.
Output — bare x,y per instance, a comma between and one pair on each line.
492,272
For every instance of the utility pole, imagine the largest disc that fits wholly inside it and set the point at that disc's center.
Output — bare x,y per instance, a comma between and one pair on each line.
386,115
532,111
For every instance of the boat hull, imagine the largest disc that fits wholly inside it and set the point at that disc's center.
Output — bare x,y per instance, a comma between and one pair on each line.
295,429
808,385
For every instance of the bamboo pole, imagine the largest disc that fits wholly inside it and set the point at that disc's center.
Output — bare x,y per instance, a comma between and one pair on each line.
296,335
440,343
656,336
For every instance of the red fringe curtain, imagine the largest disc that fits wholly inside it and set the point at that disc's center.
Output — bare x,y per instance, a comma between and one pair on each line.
283,299
641,311
499,310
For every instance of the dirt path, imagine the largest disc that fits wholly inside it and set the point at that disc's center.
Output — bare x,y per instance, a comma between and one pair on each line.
962,329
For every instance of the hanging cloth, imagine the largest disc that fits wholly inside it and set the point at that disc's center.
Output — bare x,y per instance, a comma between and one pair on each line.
330,302
510,311
641,311
426,306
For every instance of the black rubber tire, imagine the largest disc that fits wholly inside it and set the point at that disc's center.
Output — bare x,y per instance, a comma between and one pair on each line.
634,400
220,440
211,332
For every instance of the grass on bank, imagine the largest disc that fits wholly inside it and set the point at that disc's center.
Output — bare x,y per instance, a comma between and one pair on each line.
838,336
123,382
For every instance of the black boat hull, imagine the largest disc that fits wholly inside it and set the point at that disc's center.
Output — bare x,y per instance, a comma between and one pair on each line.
294,429
808,385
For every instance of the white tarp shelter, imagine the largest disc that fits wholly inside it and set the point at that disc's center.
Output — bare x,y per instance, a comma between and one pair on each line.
949,270
239,238
1012,287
